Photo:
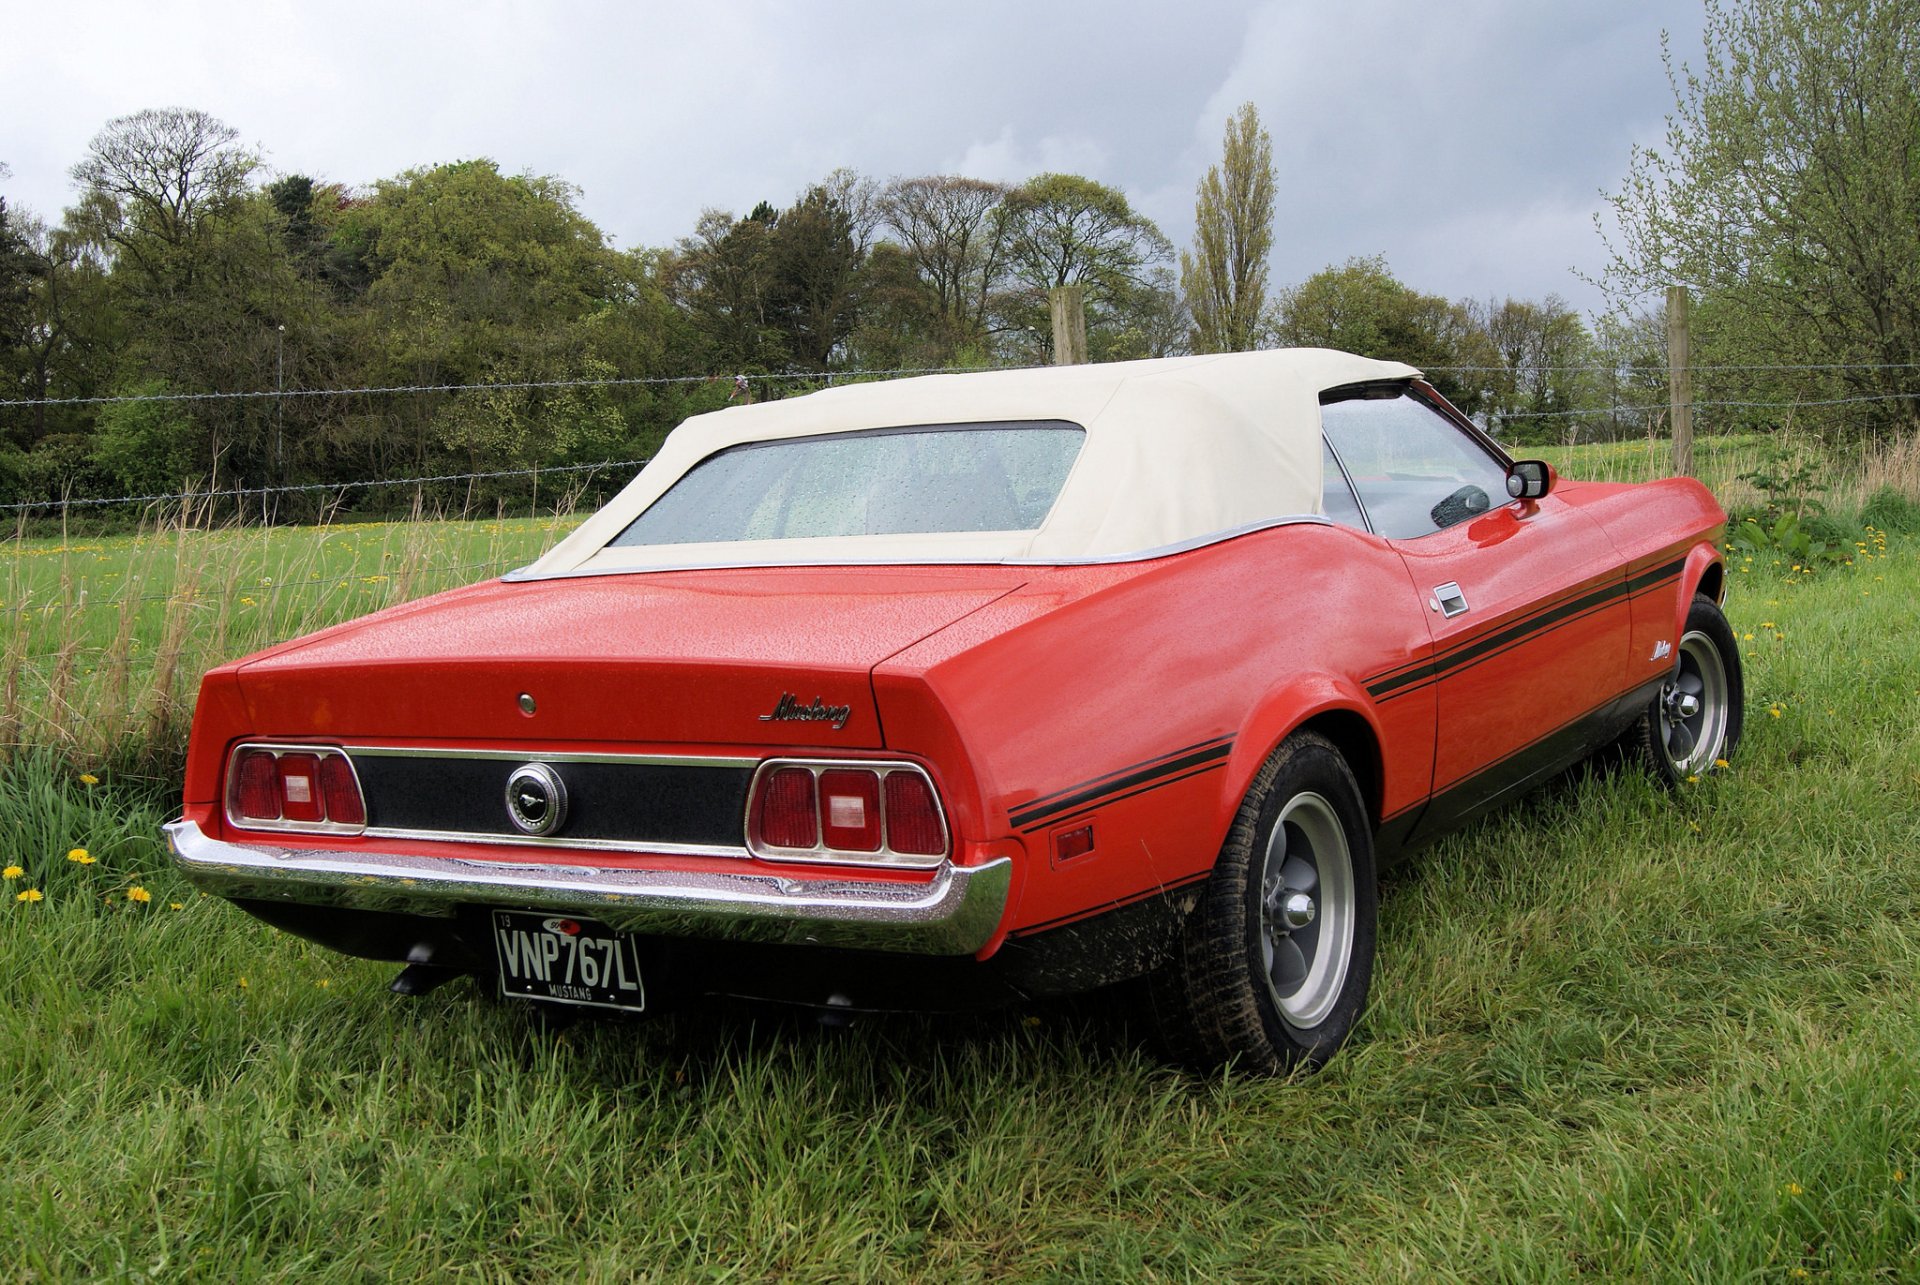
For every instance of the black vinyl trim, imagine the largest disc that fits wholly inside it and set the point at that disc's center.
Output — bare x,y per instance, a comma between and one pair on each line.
1035,811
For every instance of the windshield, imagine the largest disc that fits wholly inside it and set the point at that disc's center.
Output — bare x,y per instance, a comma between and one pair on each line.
944,477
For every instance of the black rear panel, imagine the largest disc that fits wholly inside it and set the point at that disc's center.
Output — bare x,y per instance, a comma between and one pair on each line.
626,802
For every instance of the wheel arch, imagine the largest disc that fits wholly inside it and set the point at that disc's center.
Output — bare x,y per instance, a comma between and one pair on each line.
1328,705
1705,573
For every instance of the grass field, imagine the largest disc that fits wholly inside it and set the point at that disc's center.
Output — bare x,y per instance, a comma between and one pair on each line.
107,636
1615,1034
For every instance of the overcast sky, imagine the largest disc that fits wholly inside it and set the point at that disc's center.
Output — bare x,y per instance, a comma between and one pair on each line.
1468,143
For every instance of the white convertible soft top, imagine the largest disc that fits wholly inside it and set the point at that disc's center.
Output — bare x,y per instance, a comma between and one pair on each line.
1178,451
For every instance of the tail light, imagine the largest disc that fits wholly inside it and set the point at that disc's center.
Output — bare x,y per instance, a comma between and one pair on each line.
294,787
879,813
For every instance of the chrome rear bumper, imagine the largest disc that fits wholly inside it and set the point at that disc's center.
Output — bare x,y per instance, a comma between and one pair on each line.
954,914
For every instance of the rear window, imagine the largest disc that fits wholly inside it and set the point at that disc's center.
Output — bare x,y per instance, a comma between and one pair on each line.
908,481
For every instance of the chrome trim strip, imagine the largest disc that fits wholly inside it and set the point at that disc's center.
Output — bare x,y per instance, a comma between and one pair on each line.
526,573
954,913
562,843
526,756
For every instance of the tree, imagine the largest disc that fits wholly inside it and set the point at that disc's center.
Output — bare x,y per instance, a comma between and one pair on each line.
1362,308
156,183
1787,195
1225,277
816,264
952,233
481,277
1544,354
1062,230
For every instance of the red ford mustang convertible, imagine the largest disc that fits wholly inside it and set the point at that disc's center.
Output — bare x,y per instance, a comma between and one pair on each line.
971,687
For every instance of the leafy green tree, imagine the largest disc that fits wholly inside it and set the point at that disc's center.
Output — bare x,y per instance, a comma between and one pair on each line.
477,277
150,447
1362,308
724,275
1787,196
1544,378
1062,230
817,279
71,331
1225,277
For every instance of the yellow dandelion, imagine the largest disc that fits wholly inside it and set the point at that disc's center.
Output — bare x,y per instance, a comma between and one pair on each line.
139,894
1694,779
80,857
1724,763
1899,1175
176,905
88,778
30,895
243,983
323,983
1774,710
1795,1189
11,873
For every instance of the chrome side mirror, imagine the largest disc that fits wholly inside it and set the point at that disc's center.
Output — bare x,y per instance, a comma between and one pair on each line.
1530,479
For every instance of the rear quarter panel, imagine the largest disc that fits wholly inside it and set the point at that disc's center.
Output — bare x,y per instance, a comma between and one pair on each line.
1141,700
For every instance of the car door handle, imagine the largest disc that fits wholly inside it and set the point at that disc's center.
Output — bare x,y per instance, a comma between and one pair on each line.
1448,600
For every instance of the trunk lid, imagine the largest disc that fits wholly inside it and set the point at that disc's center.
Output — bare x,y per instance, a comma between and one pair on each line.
746,657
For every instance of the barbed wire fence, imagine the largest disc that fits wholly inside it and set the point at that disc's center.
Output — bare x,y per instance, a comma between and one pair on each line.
334,494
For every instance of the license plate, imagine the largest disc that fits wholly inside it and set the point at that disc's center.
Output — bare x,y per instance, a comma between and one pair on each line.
562,960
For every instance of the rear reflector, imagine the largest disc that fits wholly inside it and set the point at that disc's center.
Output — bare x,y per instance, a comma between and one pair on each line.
913,822
850,804
788,816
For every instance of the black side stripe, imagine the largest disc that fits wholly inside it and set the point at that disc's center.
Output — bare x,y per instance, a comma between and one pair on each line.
1087,812
1395,683
1150,772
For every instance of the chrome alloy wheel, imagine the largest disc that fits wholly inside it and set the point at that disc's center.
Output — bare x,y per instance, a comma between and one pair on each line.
1307,912
1693,706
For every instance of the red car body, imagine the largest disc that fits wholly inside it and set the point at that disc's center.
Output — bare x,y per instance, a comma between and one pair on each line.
1090,731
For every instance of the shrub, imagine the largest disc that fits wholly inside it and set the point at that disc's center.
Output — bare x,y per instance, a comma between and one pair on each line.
1888,509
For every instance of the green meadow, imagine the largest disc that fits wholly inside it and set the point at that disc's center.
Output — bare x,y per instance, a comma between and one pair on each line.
1615,1033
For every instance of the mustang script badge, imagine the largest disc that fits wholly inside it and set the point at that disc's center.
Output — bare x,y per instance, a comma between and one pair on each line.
790,710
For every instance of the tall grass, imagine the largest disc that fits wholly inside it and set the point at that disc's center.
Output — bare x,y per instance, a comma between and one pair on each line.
106,637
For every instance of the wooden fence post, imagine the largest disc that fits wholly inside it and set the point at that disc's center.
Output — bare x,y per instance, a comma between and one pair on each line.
1680,379
1069,307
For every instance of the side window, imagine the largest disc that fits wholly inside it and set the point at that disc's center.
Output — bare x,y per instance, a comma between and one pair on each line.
1414,469
1336,497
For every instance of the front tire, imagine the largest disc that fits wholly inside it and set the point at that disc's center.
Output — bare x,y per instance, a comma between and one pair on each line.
1695,722
1275,960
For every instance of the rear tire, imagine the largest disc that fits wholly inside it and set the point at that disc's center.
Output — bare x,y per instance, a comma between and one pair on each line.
1696,720
1273,966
